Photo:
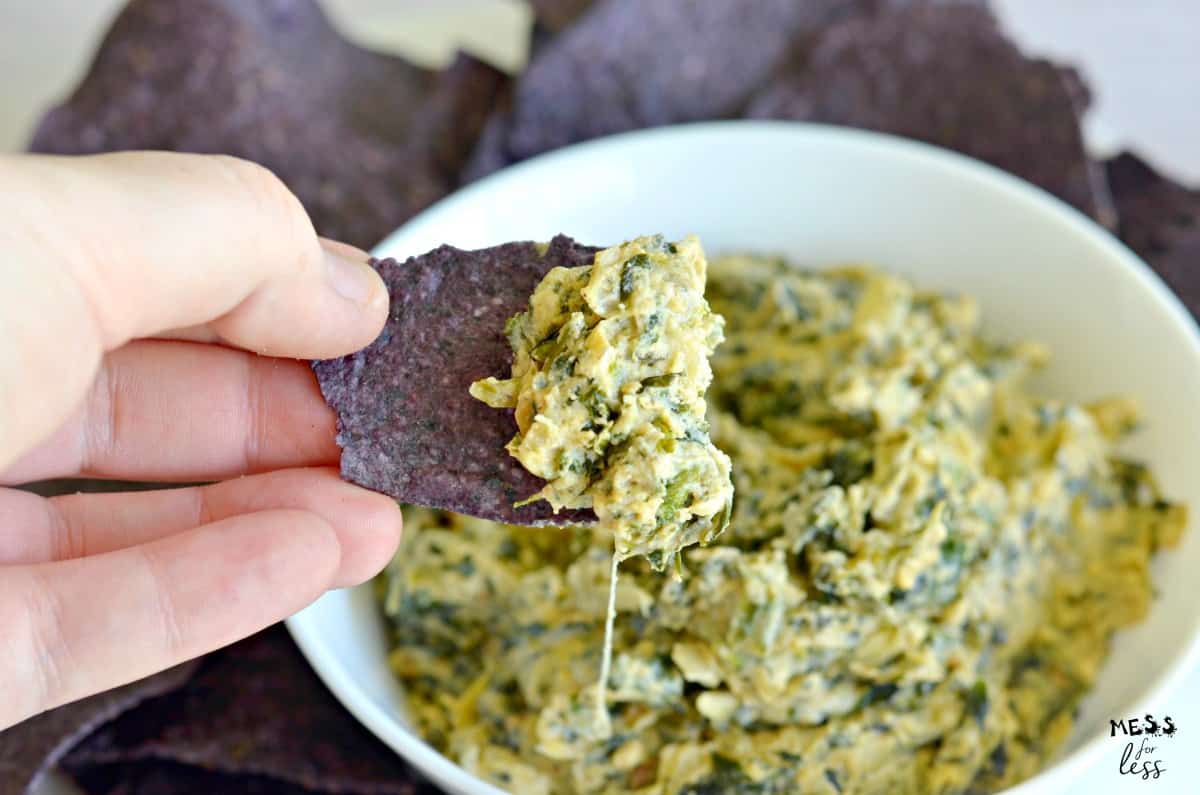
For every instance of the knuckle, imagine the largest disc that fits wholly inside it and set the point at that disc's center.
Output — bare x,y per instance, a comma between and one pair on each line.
258,421
67,537
166,610
256,179
31,612
276,208
103,413
202,506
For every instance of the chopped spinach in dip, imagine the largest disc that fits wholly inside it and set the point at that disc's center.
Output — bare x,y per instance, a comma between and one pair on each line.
610,367
922,574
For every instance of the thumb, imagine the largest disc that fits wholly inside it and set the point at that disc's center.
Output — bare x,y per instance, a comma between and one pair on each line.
103,249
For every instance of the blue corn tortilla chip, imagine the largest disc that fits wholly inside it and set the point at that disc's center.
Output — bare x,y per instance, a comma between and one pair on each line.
254,709
940,72
407,425
363,139
1160,220
29,749
947,75
629,64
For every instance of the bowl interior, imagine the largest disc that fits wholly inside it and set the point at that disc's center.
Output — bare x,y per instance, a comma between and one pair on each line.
824,196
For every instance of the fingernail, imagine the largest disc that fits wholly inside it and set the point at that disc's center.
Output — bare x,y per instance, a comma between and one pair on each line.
350,275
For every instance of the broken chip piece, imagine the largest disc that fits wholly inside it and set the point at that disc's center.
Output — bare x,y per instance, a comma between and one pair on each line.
626,64
946,74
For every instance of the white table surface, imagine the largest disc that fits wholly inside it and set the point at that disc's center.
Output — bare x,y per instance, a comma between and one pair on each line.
1142,60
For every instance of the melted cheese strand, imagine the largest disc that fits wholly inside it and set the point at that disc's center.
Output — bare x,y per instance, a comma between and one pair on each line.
610,616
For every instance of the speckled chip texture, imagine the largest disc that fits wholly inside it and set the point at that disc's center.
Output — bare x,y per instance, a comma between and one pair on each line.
407,424
946,74
1160,220
364,140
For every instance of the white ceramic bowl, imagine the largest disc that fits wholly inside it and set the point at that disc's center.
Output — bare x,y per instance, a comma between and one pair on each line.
821,196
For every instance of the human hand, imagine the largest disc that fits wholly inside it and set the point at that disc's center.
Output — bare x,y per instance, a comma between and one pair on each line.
98,255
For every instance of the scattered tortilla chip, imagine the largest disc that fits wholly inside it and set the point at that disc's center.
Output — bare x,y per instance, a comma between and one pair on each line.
407,425
364,140
947,75
628,64
1160,220
29,749
255,709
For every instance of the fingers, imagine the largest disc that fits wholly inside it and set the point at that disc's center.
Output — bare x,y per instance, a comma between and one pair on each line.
38,530
154,589
100,250
82,626
179,411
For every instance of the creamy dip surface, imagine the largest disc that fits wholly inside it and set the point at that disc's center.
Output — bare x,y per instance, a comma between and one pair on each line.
922,573
610,367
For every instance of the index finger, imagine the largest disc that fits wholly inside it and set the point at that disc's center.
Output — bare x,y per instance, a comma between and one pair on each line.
103,249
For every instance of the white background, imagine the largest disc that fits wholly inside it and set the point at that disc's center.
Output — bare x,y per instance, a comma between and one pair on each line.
1142,59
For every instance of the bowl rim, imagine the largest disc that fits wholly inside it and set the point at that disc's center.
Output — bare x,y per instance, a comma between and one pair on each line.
1066,767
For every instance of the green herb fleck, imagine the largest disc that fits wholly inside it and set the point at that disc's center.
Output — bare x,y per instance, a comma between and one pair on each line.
678,493
976,701
636,263
664,380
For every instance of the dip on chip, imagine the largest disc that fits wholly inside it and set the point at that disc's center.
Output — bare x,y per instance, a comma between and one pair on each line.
609,373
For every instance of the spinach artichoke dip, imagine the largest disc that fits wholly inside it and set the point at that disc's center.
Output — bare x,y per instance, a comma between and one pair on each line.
923,568
609,374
